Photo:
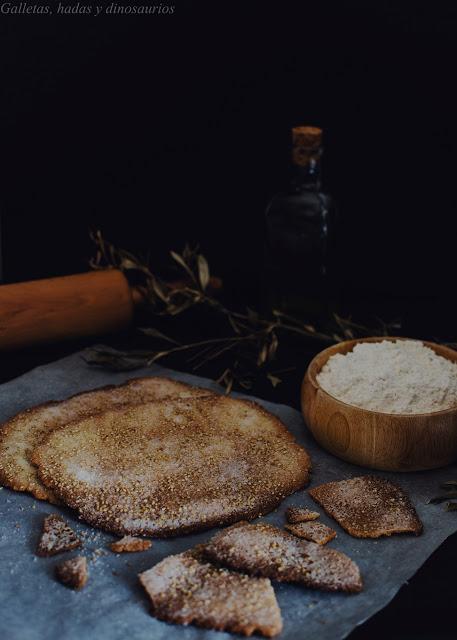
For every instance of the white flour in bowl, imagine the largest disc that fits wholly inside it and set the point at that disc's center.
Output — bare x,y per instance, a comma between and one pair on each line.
403,376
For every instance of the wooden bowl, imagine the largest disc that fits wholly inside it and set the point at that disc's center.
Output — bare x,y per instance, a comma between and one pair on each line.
387,441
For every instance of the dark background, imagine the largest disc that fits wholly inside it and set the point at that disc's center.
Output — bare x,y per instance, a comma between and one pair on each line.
174,128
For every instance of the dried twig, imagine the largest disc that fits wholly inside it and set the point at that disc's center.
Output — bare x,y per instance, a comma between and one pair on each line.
253,341
450,488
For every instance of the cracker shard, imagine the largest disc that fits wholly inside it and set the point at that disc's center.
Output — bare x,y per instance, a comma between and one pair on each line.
129,544
73,573
171,467
264,550
368,507
184,589
57,537
300,514
313,531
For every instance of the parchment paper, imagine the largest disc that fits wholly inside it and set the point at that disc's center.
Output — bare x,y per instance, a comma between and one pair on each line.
113,605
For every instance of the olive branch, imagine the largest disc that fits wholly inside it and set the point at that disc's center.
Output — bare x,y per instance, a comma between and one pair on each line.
251,342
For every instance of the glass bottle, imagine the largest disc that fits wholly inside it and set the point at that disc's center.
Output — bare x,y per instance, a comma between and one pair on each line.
299,226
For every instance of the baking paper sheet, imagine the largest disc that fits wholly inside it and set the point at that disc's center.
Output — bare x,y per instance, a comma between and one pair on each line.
113,605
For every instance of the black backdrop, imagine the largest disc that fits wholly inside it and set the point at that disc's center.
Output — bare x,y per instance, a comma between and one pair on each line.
161,129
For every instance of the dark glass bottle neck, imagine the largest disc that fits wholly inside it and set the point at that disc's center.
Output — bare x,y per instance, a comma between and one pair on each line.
307,174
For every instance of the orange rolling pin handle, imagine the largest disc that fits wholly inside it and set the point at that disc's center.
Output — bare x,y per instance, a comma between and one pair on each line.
56,309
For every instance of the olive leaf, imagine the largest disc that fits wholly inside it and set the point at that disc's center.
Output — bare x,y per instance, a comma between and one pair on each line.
203,271
180,260
263,354
273,346
158,289
128,264
274,380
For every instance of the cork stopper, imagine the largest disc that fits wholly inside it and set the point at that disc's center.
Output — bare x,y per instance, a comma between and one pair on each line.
306,143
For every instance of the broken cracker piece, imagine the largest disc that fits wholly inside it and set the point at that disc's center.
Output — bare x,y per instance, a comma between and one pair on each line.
300,514
129,544
184,589
368,507
313,531
57,537
264,550
73,573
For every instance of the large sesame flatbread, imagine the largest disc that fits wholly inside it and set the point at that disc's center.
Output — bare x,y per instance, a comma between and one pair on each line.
22,433
185,589
264,550
171,467
368,506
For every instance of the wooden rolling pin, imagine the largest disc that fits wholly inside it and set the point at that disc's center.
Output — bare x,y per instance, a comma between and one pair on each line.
55,309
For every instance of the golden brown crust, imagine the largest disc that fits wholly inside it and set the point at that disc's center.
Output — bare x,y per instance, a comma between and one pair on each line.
172,467
300,514
313,531
28,429
130,544
73,573
264,550
368,507
11,473
184,589
57,537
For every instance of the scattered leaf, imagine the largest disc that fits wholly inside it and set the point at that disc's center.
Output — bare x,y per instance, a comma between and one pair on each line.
158,289
273,347
128,264
203,271
309,327
180,260
274,380
262,357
